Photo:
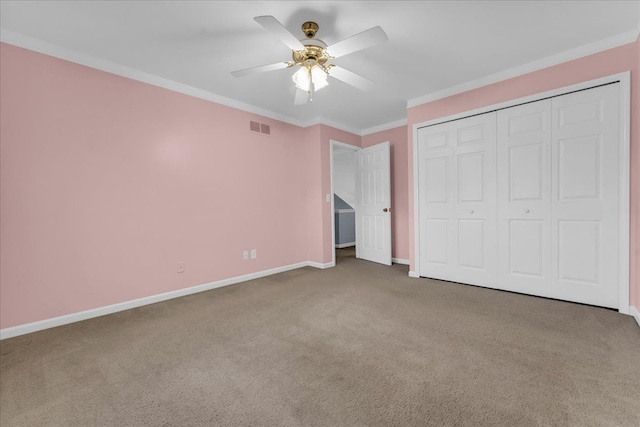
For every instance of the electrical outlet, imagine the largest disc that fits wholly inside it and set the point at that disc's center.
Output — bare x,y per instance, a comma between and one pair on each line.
245,255
181,267
254,253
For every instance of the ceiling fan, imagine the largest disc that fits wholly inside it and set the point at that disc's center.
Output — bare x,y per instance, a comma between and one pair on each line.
313,56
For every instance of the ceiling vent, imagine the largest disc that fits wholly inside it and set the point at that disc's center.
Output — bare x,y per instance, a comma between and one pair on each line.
259,128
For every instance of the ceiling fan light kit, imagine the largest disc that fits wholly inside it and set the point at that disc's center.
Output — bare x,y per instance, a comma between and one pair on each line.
313,55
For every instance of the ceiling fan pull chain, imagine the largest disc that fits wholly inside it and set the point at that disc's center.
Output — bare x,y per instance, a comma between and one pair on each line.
312,87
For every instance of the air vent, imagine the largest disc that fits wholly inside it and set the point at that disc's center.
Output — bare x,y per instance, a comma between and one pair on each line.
258,127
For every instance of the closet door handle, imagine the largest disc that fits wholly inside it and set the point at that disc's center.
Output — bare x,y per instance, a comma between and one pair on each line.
470,212
526,211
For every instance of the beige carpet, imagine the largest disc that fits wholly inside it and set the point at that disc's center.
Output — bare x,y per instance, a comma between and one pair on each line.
358,345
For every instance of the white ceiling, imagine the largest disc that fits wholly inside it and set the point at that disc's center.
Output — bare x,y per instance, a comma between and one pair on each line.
432,45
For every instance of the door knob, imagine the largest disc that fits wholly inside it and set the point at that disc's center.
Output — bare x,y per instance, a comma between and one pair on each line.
386,210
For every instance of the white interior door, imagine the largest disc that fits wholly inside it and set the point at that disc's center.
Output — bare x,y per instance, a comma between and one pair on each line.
585,196
524,198
457,184
373,204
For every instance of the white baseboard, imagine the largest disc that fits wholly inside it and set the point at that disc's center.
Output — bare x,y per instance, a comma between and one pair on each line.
635,313
345,245
114,308
414,274
320,265
400,261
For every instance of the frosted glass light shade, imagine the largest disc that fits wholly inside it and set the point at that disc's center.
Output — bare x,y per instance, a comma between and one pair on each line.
319,78
302,78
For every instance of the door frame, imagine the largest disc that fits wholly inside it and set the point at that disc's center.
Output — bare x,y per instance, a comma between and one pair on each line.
334,143
624,80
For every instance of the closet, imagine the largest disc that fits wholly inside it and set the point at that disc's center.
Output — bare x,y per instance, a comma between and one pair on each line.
526,198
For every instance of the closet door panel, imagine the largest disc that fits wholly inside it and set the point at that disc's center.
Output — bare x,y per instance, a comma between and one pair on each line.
524,198
475,178
585,187
437,199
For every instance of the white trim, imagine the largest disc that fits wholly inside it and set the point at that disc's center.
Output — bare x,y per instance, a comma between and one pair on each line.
345,145
36,45
383,127
334,143
327,122
414,274
559,58
320,265
341,211
127,305
345,245
625,126
625,192
416,207
633,311
400,261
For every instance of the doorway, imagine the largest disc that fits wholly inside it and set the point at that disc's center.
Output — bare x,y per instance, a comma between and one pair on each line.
343,201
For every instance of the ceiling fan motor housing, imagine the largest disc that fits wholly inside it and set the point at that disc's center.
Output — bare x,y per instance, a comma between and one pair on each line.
314,49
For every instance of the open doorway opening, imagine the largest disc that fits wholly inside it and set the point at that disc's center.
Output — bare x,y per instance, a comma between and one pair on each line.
343,203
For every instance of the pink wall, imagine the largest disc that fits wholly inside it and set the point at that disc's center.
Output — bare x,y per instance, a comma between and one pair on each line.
399,140
107,183
602,64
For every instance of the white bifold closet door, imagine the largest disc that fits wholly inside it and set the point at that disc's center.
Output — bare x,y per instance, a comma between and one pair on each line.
558,197
457,184
552,229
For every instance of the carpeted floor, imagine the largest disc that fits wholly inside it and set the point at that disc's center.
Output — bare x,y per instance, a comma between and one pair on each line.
357,345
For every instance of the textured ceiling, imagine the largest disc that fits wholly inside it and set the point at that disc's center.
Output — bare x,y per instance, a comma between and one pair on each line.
432,45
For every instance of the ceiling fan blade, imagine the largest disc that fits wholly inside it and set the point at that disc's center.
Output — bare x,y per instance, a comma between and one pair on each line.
351,78
302,97
260,69
277,29
363,40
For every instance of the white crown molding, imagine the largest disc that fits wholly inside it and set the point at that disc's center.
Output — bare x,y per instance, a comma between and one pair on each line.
333,124
383,127
568,55
30,43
